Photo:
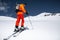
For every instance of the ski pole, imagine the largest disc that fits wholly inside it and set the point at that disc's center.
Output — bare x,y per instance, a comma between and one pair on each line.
30,22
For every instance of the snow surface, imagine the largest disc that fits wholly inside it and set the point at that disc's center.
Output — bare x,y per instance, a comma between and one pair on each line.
44,28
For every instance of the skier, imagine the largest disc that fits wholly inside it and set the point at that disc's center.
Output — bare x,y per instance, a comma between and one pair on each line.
20,10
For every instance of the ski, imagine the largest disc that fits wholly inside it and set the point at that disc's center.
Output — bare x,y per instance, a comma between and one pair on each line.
10,36
20,32
15,34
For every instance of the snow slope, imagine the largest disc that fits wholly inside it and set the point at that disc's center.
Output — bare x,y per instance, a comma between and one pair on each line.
44,28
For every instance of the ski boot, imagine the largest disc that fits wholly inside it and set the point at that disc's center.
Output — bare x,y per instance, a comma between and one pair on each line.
16,29
22,28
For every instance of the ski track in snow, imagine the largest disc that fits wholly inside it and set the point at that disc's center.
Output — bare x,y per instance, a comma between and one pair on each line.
44,28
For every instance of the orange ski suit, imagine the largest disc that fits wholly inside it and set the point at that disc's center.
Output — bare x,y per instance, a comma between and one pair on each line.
20,15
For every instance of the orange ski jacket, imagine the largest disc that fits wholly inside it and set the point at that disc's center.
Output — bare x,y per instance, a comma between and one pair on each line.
21,9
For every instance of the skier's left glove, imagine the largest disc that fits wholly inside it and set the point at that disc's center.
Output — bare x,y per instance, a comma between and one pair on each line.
17,10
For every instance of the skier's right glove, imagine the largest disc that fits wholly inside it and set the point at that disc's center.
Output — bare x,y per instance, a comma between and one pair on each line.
27,13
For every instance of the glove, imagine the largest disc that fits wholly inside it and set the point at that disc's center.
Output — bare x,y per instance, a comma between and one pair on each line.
27,13
17,10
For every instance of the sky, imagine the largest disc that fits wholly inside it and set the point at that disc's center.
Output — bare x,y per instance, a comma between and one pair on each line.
34,7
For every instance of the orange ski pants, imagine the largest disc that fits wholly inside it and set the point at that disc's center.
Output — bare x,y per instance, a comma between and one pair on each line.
20,18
